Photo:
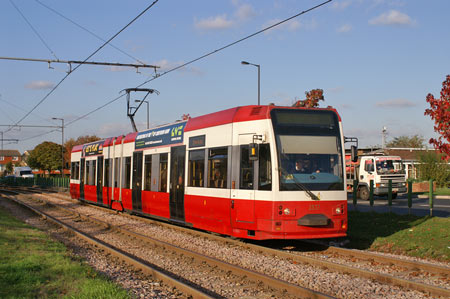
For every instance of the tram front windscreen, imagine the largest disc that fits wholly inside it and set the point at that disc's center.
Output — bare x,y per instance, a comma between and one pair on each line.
309,149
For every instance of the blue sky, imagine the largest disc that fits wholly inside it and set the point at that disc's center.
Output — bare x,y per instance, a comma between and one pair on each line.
376,61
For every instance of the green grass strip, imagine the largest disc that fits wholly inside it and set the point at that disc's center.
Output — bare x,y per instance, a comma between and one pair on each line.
34,266
424,237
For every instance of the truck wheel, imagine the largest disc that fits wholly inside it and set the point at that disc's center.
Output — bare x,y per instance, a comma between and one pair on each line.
364,193
394,195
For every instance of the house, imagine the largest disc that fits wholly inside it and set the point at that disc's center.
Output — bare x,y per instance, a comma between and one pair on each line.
7,156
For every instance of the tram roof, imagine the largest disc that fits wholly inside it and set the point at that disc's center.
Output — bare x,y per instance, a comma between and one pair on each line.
232,115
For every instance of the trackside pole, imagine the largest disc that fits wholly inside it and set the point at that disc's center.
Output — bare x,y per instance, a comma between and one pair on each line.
390,196
409,196
430,196
355,192
371,193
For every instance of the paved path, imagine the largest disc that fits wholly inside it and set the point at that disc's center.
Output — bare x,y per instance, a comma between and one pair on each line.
420,205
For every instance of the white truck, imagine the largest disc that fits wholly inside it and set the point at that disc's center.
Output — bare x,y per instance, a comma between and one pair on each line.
23,172
380,169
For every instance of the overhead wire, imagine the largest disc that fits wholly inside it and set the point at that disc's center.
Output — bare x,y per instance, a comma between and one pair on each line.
75,68
20,108
210,53
234,43
87,30
34,30
199,58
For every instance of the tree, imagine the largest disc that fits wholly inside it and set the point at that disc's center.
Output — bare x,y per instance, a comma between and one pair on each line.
46,156
312,99
415,141
9,167
439,111
69,144
432,167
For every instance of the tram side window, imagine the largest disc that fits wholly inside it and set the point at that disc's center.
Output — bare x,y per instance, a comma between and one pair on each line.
148,173
217,167
116,172
163,172
90,172
75,170
265,168
108,172
127,173
246,169
92,176
196,168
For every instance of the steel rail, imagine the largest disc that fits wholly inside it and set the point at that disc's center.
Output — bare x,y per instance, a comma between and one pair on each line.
385,278
126,257
269,281
373,256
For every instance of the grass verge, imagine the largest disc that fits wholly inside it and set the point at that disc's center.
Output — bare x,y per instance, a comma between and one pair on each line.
438,191
34,266
424,237
442,191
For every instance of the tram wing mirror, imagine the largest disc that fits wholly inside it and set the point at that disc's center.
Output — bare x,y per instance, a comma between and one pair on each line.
253,151
354,151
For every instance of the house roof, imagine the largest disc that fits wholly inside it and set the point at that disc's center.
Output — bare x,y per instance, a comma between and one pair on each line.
409,154
10,153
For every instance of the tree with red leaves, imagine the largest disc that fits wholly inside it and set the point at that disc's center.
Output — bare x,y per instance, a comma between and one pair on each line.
440,113
312,99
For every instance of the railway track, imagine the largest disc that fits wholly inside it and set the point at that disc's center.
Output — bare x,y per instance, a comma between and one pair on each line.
411,275
231,277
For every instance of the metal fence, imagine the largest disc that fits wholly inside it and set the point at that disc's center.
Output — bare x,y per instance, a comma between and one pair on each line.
62,182
410,195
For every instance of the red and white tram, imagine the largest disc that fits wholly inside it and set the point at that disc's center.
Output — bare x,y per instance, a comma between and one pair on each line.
257,172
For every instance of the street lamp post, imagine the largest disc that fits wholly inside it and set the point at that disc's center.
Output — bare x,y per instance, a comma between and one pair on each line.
259,77
148,115
62,144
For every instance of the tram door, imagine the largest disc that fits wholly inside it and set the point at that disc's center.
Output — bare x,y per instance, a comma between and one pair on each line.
243,196
177,161
82,167
100,179
137,181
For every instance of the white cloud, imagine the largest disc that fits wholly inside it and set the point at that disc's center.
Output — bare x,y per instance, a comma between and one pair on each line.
244,12
340,5
392,17
396,103
166,65
344,28
39,85
214,23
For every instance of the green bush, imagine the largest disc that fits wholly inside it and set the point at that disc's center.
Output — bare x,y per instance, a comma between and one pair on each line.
433,167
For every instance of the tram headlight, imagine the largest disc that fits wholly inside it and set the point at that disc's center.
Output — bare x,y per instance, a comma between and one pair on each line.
338,210
287,211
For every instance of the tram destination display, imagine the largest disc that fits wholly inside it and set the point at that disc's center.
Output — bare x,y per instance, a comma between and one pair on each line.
167,135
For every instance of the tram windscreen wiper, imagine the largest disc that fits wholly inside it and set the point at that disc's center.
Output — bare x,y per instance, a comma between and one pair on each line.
300,185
